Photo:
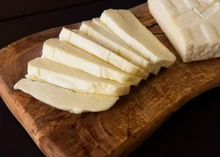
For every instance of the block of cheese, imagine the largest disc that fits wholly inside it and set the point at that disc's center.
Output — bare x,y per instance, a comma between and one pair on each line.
82,41
192,26
66,99
128,28
74,79
63,53
117,45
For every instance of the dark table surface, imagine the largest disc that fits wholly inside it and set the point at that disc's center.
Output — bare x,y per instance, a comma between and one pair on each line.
193,131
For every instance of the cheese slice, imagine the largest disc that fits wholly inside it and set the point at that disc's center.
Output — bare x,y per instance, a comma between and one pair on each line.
192,26
135,35
74,79
33,78
63,53
99,22
115,44
66,99
141,29
82,41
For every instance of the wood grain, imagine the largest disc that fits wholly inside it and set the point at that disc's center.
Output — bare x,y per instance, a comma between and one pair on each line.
115,132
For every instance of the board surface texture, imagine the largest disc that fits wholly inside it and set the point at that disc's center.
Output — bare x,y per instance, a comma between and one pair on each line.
115,132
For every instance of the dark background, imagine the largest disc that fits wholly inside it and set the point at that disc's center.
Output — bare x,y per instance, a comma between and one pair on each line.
193,131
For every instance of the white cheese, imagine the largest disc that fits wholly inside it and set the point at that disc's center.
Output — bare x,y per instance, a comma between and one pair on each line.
63,53
66,99
128,28
33,78
117,45
192,26
82,41
99,22
74,79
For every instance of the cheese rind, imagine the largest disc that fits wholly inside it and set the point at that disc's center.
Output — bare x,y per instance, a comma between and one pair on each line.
66,99
74,79
136,35
82,41
192,27
114,43
63,53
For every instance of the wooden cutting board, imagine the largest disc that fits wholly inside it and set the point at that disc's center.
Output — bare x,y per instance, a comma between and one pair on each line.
115,132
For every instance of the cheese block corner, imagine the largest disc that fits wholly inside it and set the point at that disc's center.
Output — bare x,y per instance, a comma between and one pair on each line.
192,26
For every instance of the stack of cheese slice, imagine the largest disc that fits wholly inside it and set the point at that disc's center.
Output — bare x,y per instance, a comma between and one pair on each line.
86,70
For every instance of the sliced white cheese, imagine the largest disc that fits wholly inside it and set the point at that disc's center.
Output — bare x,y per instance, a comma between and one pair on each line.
135,35
99,22
191,26
61,52
82,41
33,78
66,99
141,29
117,45
74,79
